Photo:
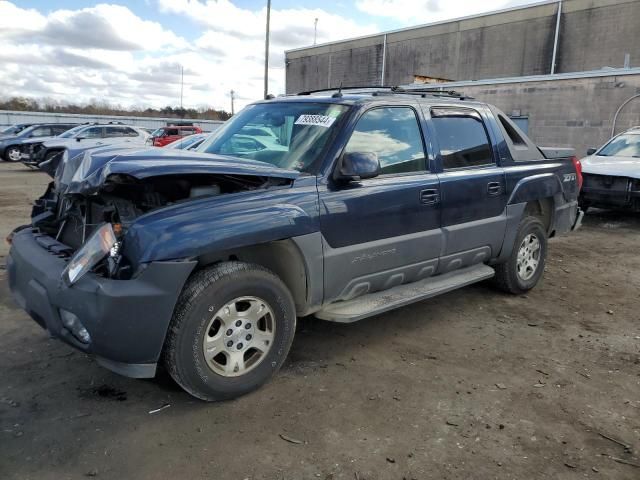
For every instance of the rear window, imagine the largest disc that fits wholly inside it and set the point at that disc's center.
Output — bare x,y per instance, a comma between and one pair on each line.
462,138
514,136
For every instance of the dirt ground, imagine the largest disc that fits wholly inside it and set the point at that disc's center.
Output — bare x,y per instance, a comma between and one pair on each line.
473,384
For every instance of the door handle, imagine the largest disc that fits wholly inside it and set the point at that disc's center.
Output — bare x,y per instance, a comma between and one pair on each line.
430,196
494,188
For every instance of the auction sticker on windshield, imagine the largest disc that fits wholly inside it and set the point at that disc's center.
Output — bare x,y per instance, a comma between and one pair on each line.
317,120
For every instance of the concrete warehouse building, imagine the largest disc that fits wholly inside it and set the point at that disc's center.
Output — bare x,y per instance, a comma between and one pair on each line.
561,68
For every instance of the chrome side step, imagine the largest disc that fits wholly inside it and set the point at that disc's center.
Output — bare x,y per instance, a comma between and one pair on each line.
379,302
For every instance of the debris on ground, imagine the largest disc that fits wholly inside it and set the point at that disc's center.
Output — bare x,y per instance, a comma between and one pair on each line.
289,439
166,405
627,447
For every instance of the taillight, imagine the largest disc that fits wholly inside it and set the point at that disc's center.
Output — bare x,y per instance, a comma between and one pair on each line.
578,166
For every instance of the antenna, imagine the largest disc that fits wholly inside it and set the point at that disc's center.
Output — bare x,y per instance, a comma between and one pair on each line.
338,94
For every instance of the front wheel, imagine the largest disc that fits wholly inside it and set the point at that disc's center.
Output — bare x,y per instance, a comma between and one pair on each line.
12,154
231,331
524,268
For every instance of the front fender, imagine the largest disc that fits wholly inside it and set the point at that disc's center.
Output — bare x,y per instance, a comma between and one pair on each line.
222,223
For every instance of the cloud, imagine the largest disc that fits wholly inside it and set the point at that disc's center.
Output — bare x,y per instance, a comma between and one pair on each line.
289,28
107,52
415,12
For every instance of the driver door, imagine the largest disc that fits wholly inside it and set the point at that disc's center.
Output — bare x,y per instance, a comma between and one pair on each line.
384,231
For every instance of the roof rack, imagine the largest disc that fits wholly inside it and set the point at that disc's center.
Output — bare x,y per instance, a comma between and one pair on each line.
389,90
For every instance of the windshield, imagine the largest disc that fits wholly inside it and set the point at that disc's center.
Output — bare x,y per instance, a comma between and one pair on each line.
287,135
13,129
72,132
158,132
625,145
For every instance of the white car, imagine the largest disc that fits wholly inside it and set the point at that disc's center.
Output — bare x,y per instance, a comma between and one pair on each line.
88,135
612,173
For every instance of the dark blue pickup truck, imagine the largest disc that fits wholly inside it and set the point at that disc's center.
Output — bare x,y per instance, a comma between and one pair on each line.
340,205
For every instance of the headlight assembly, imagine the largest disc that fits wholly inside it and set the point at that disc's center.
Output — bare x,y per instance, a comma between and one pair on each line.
95,249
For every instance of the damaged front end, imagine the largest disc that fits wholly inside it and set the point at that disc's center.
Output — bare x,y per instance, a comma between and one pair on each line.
98,195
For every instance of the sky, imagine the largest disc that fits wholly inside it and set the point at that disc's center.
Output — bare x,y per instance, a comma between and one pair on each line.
132,52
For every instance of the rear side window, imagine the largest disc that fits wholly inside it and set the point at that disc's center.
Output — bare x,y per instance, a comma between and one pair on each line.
92,132
462,138
121,132
58,129
393,134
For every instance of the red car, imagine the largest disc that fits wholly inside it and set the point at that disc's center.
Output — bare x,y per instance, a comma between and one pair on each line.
166,135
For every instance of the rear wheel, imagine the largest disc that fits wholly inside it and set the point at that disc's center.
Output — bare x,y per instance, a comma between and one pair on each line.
524,268
12,154
231,331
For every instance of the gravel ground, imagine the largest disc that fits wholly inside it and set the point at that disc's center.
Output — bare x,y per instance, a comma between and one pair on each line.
472,384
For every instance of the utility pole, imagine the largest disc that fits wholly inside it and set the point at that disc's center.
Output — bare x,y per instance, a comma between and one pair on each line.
266,51
181,84
555,38
315,31
232,109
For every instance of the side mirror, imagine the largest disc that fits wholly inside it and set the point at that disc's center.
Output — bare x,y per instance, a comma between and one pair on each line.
79,138
359,166
591,151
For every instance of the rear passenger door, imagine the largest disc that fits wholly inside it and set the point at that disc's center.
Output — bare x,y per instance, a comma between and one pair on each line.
383,231
472,188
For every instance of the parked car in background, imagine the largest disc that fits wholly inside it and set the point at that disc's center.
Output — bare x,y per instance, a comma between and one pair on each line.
35,152
166,135
612,173
11,145
202,261
189,142
15,128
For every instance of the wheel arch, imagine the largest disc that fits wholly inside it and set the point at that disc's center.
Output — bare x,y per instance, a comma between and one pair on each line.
296,261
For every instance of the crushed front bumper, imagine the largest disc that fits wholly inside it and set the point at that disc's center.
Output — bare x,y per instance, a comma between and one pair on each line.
127,319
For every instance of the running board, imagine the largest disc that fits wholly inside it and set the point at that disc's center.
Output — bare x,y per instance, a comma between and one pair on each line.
379,302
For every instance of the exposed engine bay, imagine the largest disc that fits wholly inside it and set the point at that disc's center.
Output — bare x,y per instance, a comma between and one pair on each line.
71,219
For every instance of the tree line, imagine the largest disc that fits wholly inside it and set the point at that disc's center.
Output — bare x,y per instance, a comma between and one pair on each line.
103,108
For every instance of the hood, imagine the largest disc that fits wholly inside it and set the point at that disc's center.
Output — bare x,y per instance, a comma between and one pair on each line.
27,141
612,166
87,172
7,137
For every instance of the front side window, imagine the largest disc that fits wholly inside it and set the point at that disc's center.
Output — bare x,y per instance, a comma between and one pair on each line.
393,134
625,145
40,132
463,140
289,135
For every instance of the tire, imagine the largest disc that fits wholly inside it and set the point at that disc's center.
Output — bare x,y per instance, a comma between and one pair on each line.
12,153
519,276
225,298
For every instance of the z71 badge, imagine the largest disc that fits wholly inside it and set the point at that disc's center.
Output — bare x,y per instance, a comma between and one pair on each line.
569,177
